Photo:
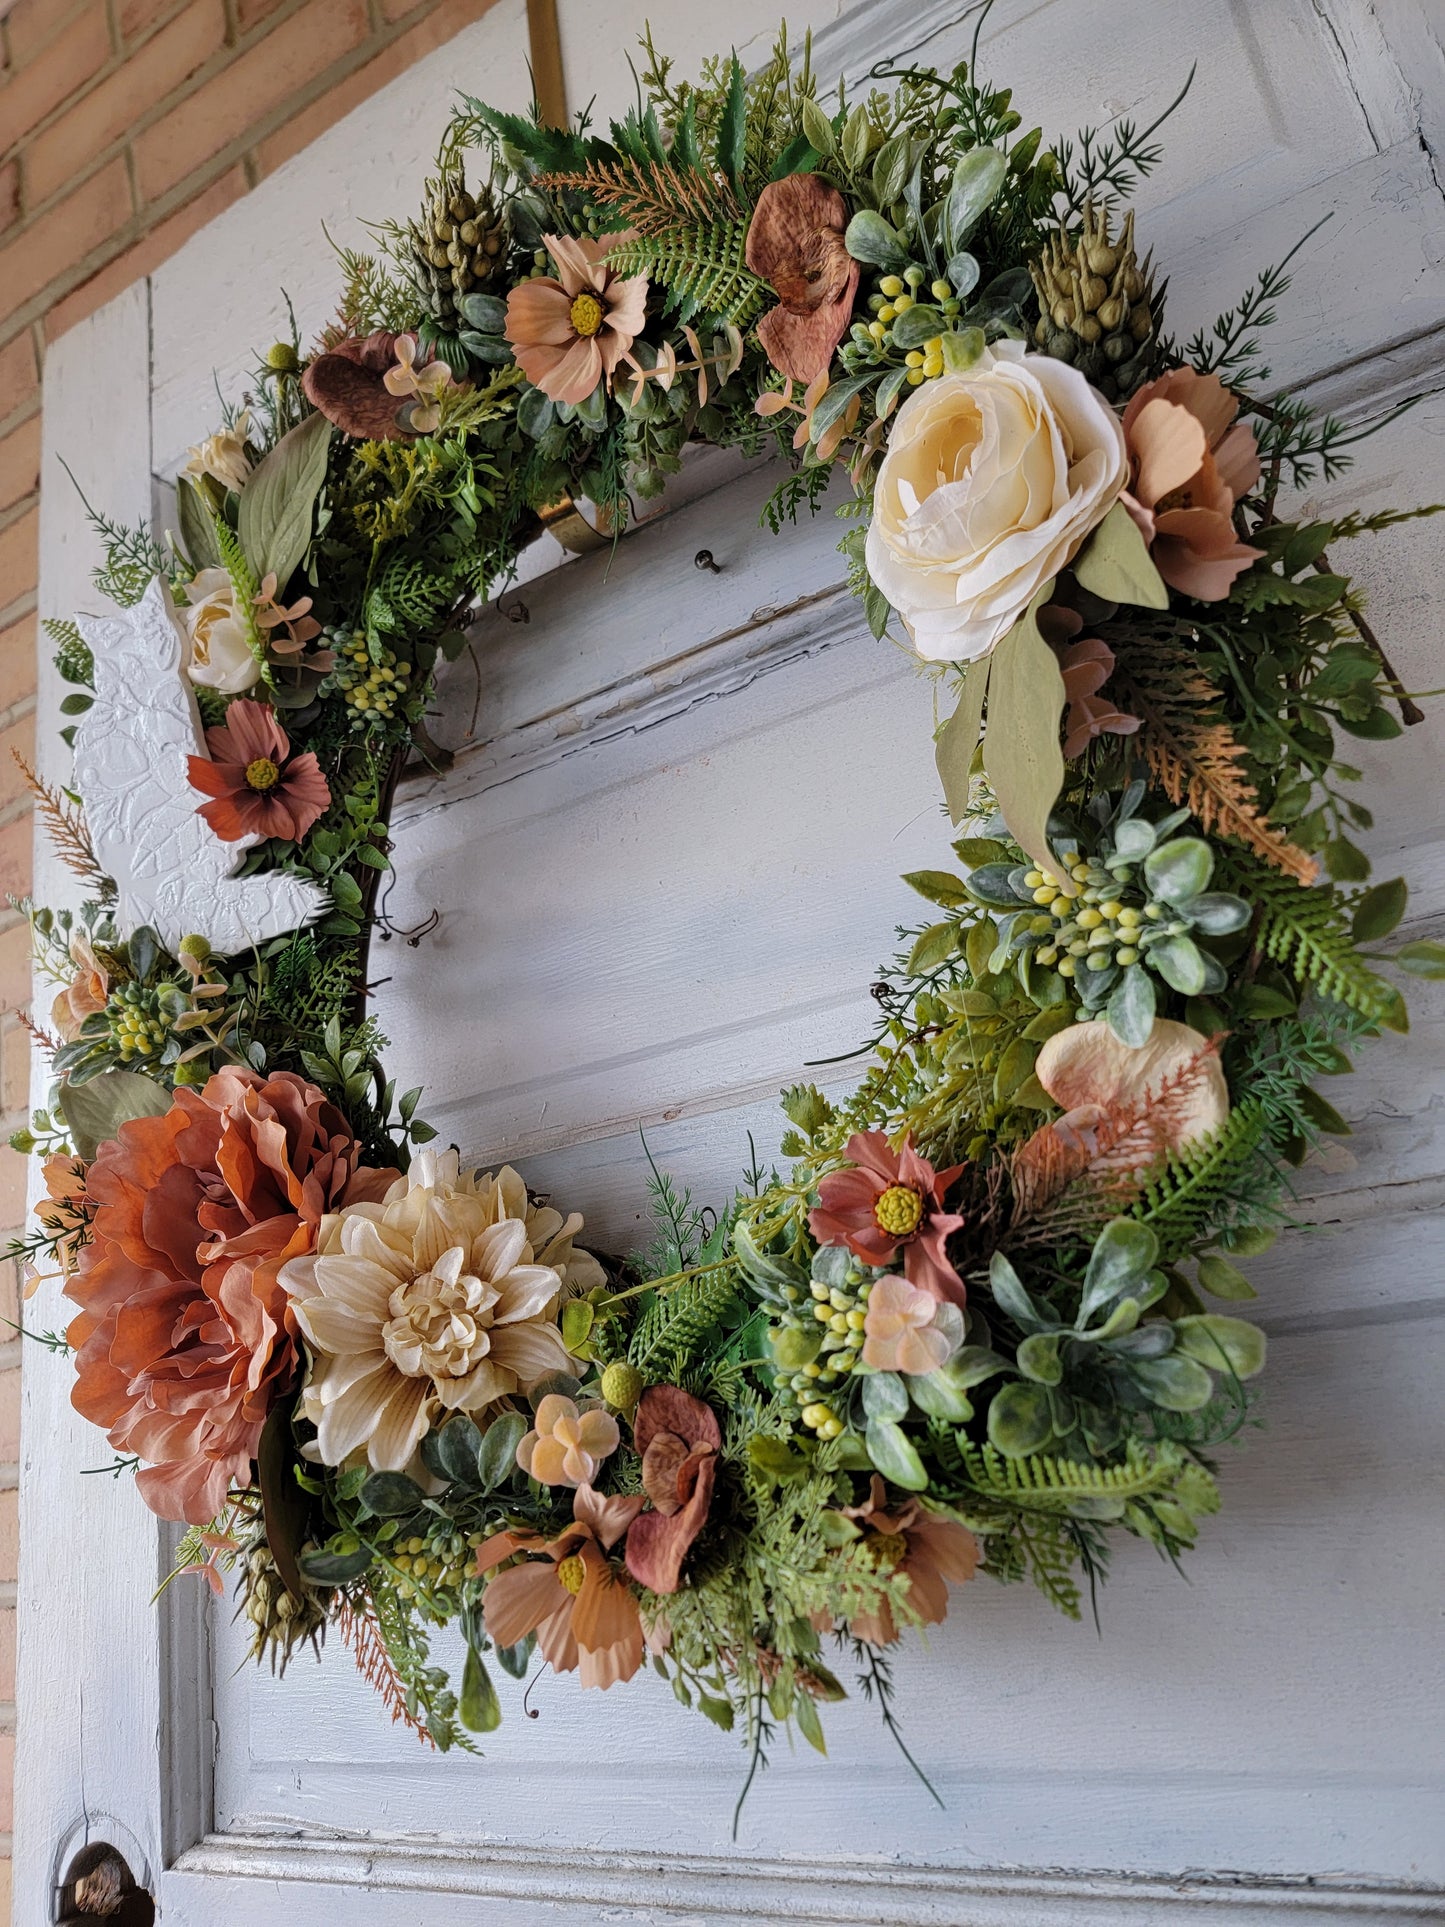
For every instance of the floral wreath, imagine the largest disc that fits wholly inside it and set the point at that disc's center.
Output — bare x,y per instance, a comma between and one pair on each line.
972,1327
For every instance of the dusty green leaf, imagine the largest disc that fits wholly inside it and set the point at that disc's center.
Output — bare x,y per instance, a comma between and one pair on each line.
1021,754
95,1110
277,503
958,739
1115,564
198,537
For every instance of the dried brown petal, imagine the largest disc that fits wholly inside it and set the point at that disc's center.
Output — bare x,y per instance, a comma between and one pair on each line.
346,384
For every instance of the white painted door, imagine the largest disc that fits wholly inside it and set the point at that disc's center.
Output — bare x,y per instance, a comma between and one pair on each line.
665,864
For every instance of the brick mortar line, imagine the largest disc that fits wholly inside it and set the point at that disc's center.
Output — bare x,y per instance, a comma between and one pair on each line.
22,707
17,807
157,212
23,605
17,511
18,417
8,1593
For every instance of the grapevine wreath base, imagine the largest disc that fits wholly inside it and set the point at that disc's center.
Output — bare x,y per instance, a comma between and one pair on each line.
986,1319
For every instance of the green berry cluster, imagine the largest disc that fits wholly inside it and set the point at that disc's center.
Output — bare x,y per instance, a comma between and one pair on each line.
439,1562
138,1025
1108,921
372,687
818,1343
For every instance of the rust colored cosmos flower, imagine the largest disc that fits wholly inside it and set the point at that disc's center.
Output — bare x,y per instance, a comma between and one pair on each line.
795,243
348,384
1191,461
678,1440
258,787
927,1549
183,1340
891,1198
569,331
582,1611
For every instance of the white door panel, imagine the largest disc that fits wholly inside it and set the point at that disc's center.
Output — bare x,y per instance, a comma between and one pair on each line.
666,865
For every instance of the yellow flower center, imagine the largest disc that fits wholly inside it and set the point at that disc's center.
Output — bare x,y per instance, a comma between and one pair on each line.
262,774
899,1210
887,1550
586,314
571,1572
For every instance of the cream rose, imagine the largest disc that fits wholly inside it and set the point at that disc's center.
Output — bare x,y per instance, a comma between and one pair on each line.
221,656
991,482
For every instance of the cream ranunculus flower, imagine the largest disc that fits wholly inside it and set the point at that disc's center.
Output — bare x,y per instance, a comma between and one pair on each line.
991,482
425,1304
223,455
221,655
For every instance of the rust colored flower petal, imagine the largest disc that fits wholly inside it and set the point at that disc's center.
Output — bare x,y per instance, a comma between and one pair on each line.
658,1543
667,1408
795,244
347,384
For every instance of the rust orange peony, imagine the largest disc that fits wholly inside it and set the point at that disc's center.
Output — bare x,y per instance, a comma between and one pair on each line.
183,1340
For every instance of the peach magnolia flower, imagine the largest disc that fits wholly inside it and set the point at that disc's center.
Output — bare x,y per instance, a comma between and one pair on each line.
908,1330
183,1341
85,994
566,1444
582,1611
569,333
678,1439
420,388
256,785
1190,463
992,481
926,1548
416,1307
887,1199
347,383
795,244
223,455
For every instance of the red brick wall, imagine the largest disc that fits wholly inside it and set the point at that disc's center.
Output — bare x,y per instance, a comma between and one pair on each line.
125,125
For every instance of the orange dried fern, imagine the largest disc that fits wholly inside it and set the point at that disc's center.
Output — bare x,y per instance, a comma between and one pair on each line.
66,825
356,1621
1196,759
652,198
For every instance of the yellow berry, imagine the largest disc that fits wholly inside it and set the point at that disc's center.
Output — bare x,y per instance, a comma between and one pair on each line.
818,1289
877,330
1126,955
1089,919
856,1320
915,375
1067,966
941,290
830,1428
1110,908
823,1311
1049,954
1046,893
914,358
902,303
1033,878
1078,947
933,366
815,1415
888,312
1128,919
1080,873
891,285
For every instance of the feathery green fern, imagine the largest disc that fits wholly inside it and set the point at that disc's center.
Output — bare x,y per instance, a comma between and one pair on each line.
1308,932
702,269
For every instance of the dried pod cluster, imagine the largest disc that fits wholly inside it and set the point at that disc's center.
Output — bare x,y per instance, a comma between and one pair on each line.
1097,307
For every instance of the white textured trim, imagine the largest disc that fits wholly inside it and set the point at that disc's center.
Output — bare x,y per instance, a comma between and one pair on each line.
705,1888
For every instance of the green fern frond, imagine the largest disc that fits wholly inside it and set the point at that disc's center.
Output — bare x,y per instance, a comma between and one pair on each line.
670,1332
243,580
1044,1484
1205,1183
657,198
72,653
1308,932
411,597
702,269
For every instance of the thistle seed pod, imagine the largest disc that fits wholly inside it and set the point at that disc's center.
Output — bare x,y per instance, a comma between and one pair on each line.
458,247
1097,307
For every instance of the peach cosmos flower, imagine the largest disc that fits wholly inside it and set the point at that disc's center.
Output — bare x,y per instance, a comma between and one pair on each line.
567,1592
566,1444
891,1198
1190,462
908,1330
85,995
926,1548
64,1211
257,786
569,333
183,1341
795,244
678,1439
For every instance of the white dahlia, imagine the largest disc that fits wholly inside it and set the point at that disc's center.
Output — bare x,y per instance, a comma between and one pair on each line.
429,1303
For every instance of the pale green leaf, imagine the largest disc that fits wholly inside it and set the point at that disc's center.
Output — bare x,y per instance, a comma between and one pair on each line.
958,739
1021,754
279,499
1115,564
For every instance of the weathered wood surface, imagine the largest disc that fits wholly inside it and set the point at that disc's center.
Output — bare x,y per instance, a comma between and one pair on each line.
666,864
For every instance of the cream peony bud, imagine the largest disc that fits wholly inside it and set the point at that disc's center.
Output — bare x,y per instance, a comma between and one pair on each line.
221,656
992,480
